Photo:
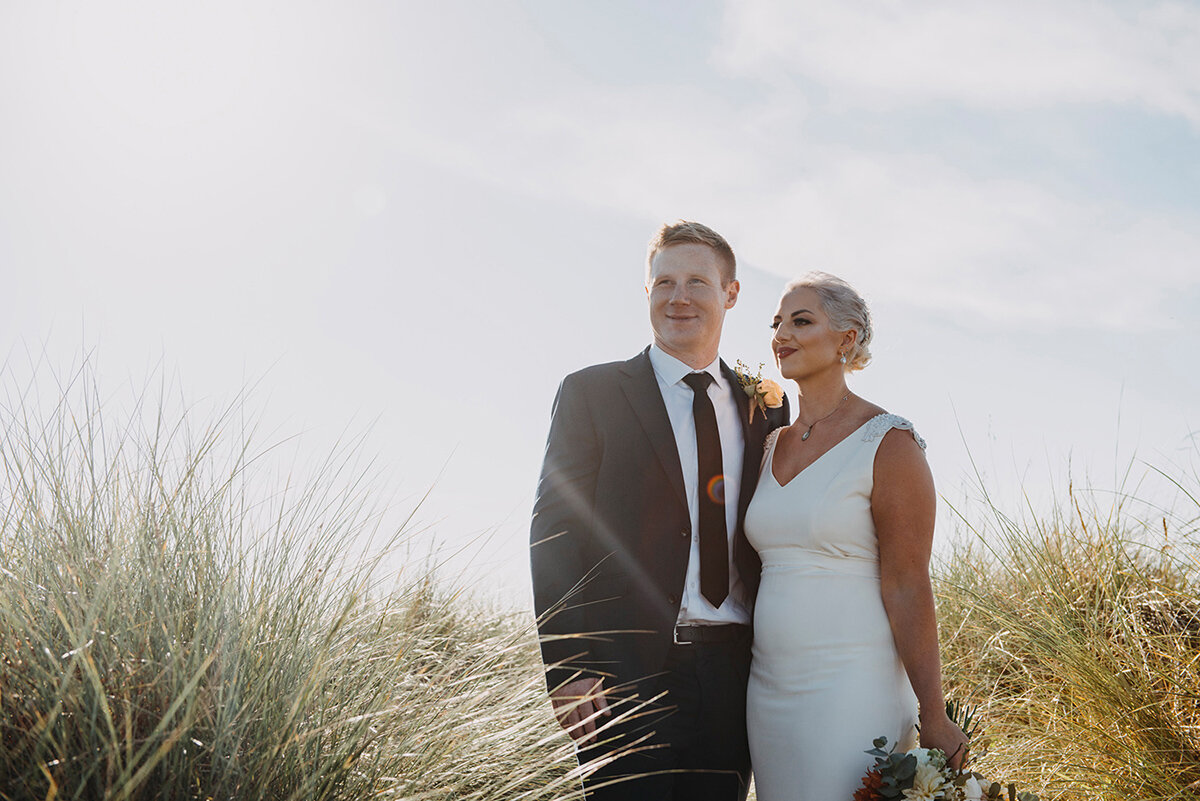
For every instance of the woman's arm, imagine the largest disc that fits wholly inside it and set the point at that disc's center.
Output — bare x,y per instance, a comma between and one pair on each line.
903,504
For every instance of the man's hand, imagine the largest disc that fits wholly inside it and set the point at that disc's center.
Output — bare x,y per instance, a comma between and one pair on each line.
577,705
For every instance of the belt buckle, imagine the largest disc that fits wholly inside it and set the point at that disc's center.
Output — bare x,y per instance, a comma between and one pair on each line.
675,637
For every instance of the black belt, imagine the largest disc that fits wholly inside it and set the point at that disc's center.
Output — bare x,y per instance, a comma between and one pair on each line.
728,632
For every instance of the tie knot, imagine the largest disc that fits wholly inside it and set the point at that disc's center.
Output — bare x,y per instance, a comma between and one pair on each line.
698,381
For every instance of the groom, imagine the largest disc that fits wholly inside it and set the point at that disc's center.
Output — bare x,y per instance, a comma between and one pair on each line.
643,579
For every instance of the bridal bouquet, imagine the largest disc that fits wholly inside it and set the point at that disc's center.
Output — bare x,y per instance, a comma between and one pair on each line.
924,774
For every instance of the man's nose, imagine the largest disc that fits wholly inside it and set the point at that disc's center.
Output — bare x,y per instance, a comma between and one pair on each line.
680,294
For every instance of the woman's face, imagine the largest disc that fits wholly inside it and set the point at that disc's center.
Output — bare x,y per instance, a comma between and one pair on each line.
804,344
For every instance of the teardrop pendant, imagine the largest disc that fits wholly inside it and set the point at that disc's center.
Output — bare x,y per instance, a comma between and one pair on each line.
804,436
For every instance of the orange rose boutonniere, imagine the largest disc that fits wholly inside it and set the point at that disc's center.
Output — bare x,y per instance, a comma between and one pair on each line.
764,393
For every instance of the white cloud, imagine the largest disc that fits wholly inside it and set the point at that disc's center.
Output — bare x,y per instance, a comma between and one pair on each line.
994,250
983,54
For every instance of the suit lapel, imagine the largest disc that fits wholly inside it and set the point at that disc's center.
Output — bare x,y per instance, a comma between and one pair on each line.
754,434
740,398
641,389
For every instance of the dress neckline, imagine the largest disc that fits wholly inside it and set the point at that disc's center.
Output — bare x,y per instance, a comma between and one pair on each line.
834,446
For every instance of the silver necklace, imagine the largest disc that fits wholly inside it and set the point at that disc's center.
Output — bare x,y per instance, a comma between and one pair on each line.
804,436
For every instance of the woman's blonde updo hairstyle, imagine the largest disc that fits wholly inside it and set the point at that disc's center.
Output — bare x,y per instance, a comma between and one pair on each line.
846,311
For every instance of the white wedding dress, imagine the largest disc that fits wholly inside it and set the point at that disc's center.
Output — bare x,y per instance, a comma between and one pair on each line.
825,679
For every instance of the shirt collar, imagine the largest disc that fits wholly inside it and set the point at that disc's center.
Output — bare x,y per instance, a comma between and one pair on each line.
671,371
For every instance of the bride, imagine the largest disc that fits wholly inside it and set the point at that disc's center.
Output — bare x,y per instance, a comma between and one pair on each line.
845,636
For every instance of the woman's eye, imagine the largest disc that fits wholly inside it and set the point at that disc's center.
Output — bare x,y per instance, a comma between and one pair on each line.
775,326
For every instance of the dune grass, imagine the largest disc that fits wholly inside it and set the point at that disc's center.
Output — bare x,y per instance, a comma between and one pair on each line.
172,626
166,633
1079,637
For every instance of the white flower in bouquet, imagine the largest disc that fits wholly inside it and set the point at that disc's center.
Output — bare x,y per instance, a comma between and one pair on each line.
922,755
972,789
929,784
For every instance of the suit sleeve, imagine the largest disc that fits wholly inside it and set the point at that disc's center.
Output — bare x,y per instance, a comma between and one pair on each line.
560,533
784,415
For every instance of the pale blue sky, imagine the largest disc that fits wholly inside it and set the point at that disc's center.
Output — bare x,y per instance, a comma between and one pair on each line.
423,215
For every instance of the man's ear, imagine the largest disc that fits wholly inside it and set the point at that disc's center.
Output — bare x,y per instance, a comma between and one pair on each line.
731,293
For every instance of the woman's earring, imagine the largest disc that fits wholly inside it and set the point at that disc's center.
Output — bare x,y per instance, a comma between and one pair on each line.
843,359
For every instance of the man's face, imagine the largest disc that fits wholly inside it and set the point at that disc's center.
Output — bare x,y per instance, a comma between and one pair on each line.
687,301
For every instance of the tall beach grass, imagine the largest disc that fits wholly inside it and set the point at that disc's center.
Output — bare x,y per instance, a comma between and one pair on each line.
172,627
176,624
1079,636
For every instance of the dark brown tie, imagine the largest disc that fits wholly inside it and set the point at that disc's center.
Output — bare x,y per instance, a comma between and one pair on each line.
714,542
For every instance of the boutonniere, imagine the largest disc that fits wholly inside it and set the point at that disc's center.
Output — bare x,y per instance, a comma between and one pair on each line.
764,393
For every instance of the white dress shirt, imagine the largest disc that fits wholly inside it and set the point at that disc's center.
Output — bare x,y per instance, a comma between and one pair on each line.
694,608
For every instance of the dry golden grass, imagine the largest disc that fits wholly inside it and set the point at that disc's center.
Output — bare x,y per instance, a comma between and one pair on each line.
167,634
1079,639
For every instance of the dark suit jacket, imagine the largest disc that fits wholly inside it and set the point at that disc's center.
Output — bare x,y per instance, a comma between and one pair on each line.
611,530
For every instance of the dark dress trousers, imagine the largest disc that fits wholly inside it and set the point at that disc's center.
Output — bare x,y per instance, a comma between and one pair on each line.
611,537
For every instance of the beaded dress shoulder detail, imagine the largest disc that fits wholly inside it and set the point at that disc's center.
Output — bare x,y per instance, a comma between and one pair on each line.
768,444
880,424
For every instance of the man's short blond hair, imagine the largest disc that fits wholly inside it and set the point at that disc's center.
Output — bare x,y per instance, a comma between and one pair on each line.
685,232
